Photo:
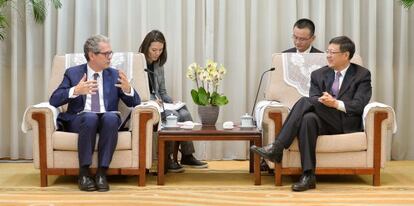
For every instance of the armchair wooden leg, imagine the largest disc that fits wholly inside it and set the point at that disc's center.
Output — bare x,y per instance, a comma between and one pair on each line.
376,179
278,174
141,179
43,178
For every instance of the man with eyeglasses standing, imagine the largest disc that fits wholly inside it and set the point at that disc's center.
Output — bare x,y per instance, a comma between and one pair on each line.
303,37
337,97
92,92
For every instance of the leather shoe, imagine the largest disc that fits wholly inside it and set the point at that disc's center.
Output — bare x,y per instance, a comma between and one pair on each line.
86,183
306,182
273,151
264,167
173,166
101,183
191,161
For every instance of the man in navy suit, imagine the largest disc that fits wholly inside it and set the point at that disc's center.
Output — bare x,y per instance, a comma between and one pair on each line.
92,92
337,97
303,37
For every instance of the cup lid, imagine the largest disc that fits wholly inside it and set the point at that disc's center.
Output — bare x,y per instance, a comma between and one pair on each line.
246,116
171,117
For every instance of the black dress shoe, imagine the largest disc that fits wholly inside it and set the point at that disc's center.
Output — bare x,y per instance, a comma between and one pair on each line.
191,161
173,166
273,151
264,167
86,183
306,182
101,183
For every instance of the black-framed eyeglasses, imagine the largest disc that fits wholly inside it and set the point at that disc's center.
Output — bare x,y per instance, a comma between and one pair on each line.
332,52
107,54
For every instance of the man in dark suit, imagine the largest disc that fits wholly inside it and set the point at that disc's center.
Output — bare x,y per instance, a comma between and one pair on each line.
337,97
92,92
303,37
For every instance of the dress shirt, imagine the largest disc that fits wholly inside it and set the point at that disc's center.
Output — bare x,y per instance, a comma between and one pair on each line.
341,105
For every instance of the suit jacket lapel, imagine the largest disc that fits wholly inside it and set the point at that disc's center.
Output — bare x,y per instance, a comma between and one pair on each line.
329,78
156,79
348,79
106,81
85,71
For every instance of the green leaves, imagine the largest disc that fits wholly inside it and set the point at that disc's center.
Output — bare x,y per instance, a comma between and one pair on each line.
407,3
39,12
204,98
3,25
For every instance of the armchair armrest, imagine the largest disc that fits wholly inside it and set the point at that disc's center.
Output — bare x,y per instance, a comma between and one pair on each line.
380,123
41,120
270,119
143,119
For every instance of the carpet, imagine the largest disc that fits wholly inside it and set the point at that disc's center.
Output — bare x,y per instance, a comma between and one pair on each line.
223,183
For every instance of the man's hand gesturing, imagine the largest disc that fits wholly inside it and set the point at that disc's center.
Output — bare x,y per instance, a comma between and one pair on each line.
86,86
123,82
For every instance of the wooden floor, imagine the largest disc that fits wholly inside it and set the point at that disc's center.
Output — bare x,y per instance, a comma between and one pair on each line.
223,183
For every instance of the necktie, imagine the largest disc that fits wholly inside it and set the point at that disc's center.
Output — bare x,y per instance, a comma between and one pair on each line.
95,106
335,85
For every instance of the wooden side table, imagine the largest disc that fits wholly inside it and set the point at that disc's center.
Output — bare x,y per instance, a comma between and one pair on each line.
210,133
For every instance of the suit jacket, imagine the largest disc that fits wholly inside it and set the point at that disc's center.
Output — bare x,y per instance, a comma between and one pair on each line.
159,84
293,50
112,94
355,92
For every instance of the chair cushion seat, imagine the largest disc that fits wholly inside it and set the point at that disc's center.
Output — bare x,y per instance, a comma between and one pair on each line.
69,141
351,142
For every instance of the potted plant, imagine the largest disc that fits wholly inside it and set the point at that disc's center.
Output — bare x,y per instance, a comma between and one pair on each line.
206,94
39,12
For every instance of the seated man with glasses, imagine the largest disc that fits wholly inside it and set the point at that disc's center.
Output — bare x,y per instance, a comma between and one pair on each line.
337,97
303,37
92,92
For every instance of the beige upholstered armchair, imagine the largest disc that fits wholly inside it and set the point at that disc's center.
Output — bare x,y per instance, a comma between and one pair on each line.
55,152
354,153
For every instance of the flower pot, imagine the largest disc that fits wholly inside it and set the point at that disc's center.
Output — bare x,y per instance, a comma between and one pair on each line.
208,114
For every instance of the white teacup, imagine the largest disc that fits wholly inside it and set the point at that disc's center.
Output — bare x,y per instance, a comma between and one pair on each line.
246,121
171,121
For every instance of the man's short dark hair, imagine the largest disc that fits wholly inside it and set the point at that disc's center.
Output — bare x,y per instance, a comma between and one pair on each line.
305,23
345,44
154,36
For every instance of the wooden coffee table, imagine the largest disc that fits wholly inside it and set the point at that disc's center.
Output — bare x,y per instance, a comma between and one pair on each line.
210,133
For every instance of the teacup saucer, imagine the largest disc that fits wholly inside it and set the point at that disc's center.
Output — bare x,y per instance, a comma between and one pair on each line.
247,126
171,126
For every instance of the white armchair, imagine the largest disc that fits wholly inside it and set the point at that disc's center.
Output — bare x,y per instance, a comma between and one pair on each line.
353,153
55,152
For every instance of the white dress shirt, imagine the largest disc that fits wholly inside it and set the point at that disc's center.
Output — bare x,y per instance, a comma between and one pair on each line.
341,105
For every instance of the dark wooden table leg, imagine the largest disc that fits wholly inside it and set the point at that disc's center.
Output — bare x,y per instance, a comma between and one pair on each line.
257,177
251,159
161,156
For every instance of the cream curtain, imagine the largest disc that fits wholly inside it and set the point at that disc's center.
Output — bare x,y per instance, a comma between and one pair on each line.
241,34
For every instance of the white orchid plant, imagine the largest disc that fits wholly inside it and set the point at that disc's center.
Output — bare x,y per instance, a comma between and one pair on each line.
207,80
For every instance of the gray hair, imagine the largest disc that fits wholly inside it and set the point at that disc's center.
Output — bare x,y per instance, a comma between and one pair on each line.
92,44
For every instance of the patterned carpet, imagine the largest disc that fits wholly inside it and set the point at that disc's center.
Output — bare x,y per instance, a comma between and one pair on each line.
224,183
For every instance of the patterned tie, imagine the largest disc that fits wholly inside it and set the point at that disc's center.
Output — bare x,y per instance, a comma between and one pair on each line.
335,85
95,106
